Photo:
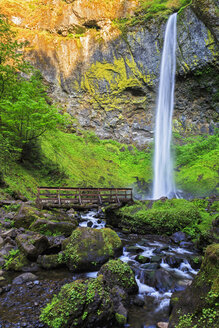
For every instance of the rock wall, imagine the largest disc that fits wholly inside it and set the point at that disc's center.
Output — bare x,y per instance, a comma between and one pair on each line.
108,80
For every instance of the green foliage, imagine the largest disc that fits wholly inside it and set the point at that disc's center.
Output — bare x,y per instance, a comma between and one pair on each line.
10,257
197,163
25,112
72,303
150,9
11,60
12,207
162,218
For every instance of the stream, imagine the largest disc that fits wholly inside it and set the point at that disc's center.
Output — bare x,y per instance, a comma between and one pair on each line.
161,267
167,270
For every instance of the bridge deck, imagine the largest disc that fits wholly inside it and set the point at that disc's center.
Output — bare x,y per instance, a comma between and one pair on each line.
81,197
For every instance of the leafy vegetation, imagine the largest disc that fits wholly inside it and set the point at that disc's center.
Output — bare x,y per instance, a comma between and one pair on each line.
151,9
162,218
197,164
25,112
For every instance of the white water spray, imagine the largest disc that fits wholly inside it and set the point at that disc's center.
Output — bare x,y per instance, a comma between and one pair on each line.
163,184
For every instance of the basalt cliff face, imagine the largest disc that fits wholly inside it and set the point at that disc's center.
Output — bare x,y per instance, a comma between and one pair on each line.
108,79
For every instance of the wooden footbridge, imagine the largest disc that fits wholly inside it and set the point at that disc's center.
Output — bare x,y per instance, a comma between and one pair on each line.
81,198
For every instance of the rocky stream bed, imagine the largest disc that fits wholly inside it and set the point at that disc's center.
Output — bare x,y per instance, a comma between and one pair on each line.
162,265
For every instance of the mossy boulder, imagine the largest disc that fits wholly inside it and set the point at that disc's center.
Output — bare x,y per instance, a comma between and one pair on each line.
198,305
116,272
17,262
83,303
87,249
158,217
51,261
50,228
25,216
32,244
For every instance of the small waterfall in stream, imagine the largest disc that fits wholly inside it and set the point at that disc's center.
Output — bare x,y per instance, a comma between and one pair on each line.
163,184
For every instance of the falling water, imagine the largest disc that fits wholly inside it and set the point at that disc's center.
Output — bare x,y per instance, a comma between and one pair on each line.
163,169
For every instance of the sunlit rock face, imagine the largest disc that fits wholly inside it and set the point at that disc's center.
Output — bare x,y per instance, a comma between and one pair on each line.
109,80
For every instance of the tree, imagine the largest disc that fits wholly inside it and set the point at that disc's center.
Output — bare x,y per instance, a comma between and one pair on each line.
11,59
25,112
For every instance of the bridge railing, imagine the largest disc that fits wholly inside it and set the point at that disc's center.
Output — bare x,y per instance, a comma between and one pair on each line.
81,197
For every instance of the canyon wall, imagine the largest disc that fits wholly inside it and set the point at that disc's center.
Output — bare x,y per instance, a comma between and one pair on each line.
107,77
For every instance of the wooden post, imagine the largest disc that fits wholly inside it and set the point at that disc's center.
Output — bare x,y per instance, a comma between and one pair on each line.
118,201
80,200
59,199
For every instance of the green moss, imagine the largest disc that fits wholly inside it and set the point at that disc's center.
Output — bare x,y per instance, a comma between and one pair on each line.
119,274
205,287
111,241
115,79
121,319
15,261
154,9
164,217
71,305
88,247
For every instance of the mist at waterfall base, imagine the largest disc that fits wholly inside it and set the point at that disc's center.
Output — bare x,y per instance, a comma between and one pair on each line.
163,182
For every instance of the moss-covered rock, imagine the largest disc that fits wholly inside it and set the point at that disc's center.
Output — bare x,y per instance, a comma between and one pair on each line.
116,272
86,249
50,261
32,244
80,304
160,217
54,228
26,215
17,262
198,305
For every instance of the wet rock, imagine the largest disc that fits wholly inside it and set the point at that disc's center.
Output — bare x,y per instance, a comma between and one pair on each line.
50,261
187,244
138,301
151,266
86,249
159,250
178,237
156,259
116,272
162,325
89,224
32,244
142,259
160,279
173,261
1,241
23,278
134,249
195,262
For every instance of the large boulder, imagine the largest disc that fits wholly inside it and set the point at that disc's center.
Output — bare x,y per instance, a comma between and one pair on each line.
51,261
87,249
82,303
32,244
25,216
55,228
198,305
98,302
118,273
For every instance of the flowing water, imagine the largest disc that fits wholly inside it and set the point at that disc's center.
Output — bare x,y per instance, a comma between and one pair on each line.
167,270
168,267
163,184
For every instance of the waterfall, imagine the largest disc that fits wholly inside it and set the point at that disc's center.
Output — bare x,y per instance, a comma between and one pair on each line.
163,184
